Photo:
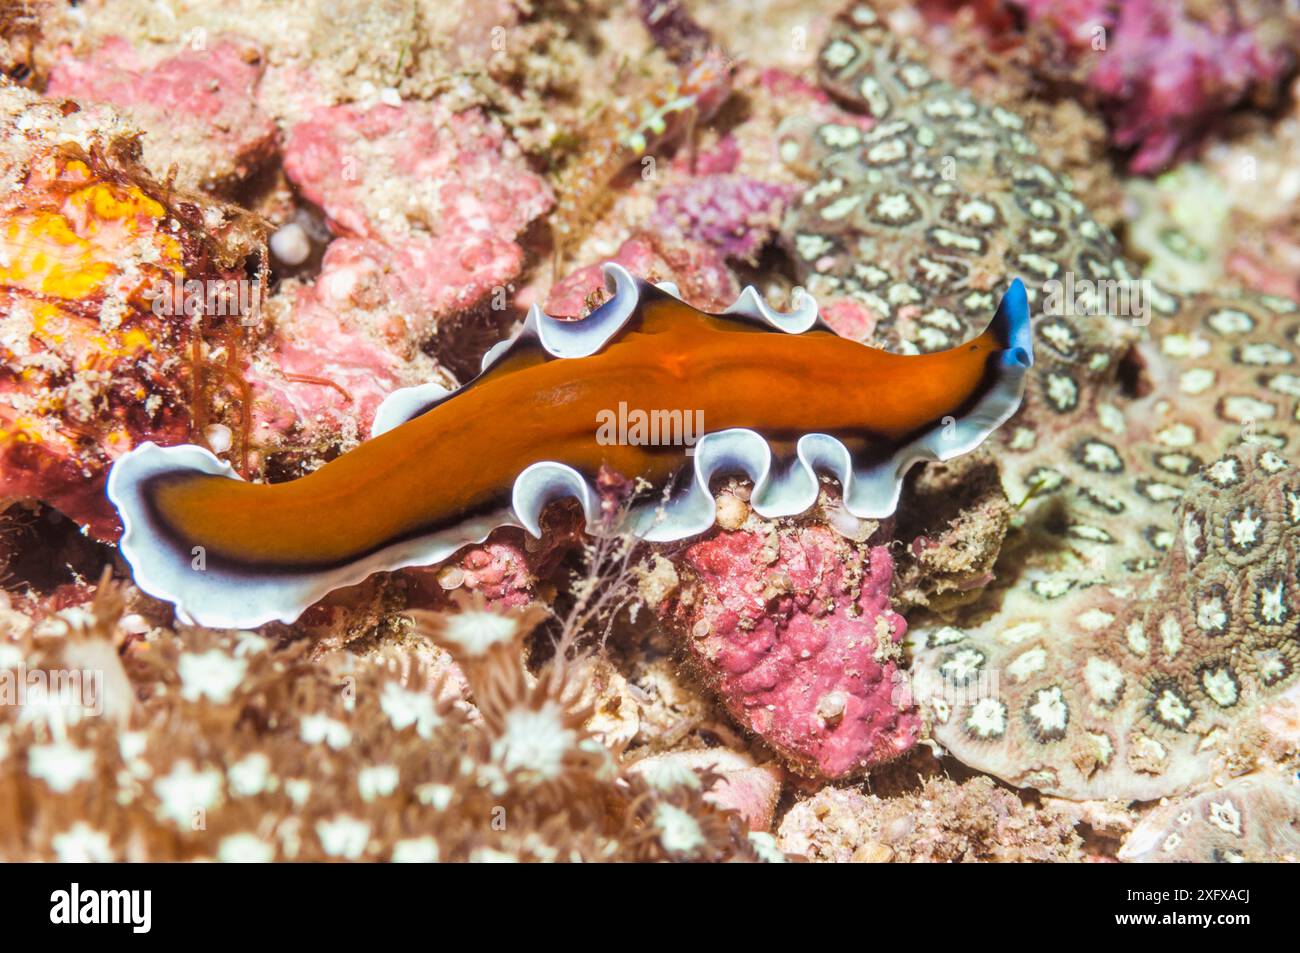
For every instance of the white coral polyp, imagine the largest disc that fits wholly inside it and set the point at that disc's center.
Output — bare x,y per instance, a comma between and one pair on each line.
213,675
666,774
185,793
422,850
343,836
405,708
534,741
679,833
82,844
245,849
474,632
62,766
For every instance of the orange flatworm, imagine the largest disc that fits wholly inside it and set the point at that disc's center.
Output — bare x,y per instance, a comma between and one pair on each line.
646,385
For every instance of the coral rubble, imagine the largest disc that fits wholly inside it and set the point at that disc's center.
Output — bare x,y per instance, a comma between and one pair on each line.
943,822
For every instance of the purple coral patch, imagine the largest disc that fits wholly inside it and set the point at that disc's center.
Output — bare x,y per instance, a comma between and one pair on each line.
734,214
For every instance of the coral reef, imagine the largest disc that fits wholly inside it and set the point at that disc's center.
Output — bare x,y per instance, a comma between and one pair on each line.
96,358
952,523
631,133
1077,644
20,28
1138,695
1119,419
700,273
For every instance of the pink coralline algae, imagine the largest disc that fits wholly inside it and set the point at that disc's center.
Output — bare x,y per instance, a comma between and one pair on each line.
342,345
428,204
197,107
1165,72
505,571
707,215
447,192
794,629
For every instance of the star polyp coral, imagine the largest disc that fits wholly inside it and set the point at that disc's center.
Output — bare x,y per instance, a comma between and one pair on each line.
794,629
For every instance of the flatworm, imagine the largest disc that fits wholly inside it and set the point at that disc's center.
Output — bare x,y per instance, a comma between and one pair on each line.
782,399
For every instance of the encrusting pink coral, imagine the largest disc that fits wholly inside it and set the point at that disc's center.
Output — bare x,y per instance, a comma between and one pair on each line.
501,571
733,214
428,204
337,348
792,627
702,276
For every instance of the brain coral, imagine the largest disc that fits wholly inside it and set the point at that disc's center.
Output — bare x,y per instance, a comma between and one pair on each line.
1145,601
924,217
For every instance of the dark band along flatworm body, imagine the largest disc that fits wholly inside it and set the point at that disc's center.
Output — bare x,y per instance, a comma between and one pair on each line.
782,399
